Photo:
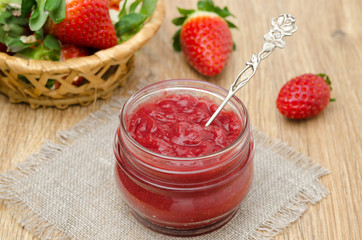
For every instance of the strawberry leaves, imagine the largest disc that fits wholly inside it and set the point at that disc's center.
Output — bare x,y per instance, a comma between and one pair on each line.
329,82
55,9
12,27
16,26
130,23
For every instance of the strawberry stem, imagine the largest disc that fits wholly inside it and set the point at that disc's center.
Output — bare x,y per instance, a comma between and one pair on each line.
326,78
328,81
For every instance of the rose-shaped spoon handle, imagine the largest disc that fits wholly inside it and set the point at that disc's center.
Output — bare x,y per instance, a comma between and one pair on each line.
284,25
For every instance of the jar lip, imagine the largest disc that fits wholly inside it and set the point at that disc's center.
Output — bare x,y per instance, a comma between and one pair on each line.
239,139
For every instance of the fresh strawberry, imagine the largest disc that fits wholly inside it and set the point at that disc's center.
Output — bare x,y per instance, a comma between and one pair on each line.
304,96
204,37
87,23
71,51
68,51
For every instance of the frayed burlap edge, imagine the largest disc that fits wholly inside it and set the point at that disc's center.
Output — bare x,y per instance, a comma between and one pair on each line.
25,216
291,210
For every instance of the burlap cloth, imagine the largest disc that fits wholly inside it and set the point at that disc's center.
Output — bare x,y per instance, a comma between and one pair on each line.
67,190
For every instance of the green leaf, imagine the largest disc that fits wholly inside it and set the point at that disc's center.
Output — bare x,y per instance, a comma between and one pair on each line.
148,7
51,5
26,7
39,16
4,16
3,3
231,25
50,83
12,28
124,37
206,5
40,51
209,5
39,34
2,36
327,79
123,11
179,21
52,42
185,12
134,5
176,41
223,12
201,5
128,22
20,21
16,45
58,14
16,30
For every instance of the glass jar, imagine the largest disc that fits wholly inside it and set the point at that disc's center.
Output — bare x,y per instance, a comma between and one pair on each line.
183,196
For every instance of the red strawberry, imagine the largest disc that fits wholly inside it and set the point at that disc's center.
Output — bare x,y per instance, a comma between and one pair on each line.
304,96
87,24
71,51
205,37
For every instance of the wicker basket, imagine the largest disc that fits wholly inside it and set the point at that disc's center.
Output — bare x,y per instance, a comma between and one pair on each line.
104,71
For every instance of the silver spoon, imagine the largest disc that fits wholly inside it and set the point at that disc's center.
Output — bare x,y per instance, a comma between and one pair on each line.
284,25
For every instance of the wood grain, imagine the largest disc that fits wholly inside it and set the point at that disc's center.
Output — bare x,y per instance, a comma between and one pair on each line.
329,40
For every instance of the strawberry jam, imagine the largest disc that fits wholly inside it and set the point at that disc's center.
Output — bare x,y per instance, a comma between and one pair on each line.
174,125
178,176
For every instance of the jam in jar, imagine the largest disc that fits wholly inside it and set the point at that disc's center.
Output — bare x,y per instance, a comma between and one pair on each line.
178,176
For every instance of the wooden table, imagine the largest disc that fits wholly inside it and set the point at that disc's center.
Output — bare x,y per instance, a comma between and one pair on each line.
328,40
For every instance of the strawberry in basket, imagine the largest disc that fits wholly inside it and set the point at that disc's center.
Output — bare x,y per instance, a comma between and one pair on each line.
87,23
47,29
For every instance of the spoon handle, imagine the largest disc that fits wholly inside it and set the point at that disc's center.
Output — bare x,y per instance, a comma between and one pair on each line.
284,25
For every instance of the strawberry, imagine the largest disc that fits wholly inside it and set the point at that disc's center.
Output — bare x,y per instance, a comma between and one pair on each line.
204,37
87,23
304,96
71,51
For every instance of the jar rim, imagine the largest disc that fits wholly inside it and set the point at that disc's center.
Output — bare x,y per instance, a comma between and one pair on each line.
243,134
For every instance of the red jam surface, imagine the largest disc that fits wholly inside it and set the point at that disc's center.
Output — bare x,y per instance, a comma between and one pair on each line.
175,126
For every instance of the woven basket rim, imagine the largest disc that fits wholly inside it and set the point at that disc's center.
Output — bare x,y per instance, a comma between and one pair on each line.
99,58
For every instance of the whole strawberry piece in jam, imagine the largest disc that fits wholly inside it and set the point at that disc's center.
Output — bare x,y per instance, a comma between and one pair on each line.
204,37
304,96
87,23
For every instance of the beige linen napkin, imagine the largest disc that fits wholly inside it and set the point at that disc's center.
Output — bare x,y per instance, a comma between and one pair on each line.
67,190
